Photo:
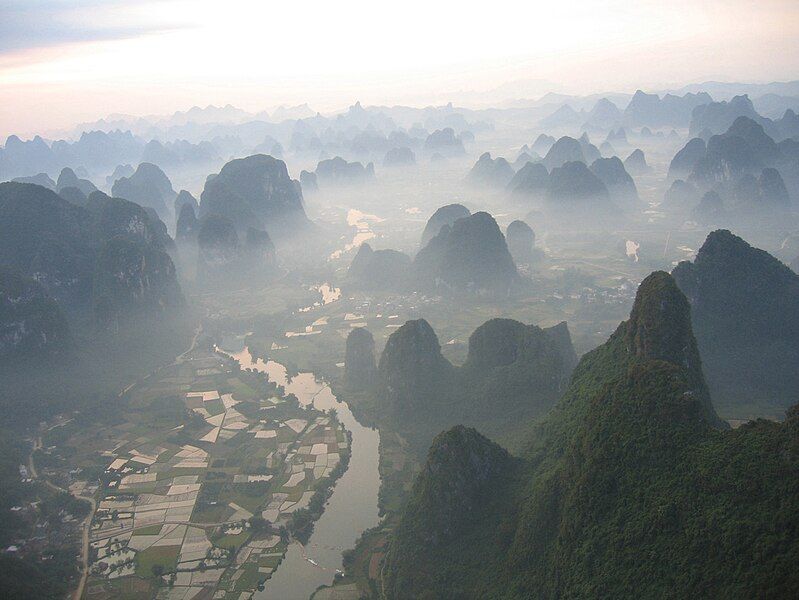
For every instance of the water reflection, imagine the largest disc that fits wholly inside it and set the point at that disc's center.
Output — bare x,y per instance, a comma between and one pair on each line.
363,230
351,509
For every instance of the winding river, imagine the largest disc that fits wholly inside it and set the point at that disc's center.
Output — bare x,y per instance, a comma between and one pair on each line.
351,509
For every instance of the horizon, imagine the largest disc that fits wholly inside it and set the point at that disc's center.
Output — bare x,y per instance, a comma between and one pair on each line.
380,302
163,59
68,130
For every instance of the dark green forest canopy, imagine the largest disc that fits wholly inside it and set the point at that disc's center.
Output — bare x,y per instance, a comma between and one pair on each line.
626,488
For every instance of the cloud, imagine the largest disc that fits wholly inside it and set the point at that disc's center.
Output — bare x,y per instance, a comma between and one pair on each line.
34,24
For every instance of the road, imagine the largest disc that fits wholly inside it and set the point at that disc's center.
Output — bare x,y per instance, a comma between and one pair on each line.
87,522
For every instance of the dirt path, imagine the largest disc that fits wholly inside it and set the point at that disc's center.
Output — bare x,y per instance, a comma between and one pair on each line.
87,523
84,555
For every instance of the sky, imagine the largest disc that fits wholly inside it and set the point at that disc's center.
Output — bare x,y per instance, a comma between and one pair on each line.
68,61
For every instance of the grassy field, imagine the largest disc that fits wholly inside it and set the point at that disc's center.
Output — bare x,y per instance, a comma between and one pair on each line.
165,556
227,541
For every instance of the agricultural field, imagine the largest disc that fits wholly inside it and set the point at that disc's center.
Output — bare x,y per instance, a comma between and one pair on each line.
197,478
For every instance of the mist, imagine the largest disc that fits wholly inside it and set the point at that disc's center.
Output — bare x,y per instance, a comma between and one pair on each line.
431,302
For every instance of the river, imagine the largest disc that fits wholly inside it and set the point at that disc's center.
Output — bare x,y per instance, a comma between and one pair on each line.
351,509
361,221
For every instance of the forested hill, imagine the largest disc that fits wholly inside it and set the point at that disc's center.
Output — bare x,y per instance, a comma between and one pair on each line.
629,488
745,311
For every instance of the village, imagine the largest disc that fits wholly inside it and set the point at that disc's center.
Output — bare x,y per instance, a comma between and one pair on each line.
199,485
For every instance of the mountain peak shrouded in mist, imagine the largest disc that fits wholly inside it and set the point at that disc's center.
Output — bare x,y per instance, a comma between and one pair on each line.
68,179
337,171
521,239
399,157
411,368
512,374
742,175
108,258
184,197
719,116
745,307
621,187
419,341
444,142
618,136
542,144
574,185
472,254
379,269
564,150
148,187
564,116
532,179
651,110
502,342
684,161
42,179
605,114
659,327
491,171
446,215
360,368
636,164
258,191
460,469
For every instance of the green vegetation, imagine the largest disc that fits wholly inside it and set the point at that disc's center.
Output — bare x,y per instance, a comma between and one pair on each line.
26,579
513,373
165,557
151,530
231,541
625,489
302,520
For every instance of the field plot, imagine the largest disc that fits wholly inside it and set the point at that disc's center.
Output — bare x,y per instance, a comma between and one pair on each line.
199,474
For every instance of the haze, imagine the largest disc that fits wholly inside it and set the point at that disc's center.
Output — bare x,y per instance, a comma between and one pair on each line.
91,58
370,301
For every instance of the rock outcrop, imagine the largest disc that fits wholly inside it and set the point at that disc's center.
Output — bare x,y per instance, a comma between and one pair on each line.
360,370
148,187
574,185
745,311
337,171
621,187
399,157
256,192
445,143
379,269
472,255
521,239
635,163
530,181
32,326
492,172
446,215
565,150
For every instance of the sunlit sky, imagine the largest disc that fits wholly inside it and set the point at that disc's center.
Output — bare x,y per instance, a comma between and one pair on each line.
63,62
